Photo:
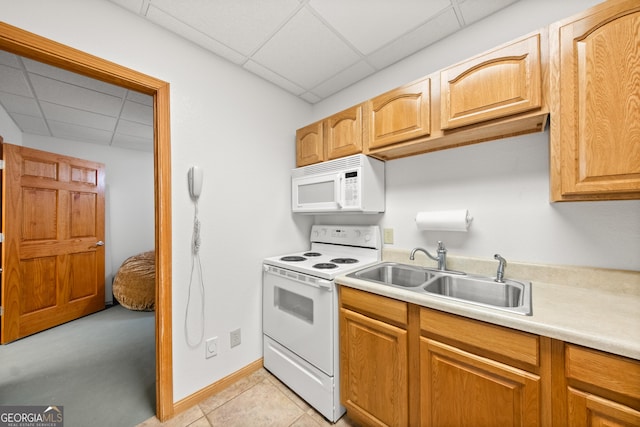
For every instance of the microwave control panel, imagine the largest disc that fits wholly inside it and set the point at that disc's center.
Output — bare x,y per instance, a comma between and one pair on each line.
351,188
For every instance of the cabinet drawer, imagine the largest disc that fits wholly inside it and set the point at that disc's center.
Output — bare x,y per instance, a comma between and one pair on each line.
494,339
374,306
615,373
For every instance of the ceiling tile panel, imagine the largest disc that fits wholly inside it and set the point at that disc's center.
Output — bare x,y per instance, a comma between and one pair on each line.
140,98
9,59
12,80
241,25
40,69
15,104
131,142
345,78
180,28
474,10
306,52
269,75
60,113
439,27
31,124
62,93
133,5
136,112
126,127
371,24
80,133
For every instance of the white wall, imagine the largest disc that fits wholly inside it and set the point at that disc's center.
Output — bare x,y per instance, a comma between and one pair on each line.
505,183
241,130
8,129
129,227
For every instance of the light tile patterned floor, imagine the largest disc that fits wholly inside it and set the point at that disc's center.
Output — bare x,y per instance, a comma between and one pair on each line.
257,400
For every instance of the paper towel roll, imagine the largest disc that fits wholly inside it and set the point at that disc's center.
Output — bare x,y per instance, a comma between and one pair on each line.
454,220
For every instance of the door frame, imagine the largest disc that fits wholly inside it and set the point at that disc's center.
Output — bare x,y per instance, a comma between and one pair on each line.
24,43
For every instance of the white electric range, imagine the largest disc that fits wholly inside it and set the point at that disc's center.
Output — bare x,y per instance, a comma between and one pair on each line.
300,311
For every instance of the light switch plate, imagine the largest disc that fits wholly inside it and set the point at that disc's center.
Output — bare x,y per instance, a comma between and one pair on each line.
388,236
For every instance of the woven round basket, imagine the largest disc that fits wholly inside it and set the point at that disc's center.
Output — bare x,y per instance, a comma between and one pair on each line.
135,283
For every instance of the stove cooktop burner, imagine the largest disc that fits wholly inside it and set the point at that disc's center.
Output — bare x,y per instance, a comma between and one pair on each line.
344,260
325,265
293,258
312,254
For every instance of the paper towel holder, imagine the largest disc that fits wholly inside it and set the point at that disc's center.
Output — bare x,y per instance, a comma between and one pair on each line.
446,220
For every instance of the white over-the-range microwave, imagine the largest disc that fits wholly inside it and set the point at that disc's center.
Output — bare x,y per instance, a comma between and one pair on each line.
353,184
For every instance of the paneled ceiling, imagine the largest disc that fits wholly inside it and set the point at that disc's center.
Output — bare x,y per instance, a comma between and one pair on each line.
49,101
310,48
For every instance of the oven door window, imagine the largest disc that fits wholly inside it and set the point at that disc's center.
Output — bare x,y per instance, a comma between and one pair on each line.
295,304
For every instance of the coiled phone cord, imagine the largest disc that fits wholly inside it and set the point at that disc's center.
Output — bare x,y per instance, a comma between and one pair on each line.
195,261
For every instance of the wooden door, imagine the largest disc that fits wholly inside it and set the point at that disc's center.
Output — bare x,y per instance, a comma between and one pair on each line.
497,84
343,133
595,121
399,115
309,145
374,379
463,389
53,253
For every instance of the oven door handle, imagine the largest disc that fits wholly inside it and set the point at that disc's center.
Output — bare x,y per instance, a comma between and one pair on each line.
299,277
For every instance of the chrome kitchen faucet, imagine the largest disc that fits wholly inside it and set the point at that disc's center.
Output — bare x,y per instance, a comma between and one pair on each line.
441,258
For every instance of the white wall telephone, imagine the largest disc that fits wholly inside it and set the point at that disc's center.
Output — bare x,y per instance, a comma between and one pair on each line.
195,182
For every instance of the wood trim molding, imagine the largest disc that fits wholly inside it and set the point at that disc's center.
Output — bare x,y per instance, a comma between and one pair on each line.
24,43
216,387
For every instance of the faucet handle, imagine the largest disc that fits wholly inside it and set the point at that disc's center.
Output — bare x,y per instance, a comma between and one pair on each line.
502,263
441,246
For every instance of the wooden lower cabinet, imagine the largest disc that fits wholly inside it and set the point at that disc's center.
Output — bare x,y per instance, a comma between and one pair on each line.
373,356
406,365
459,388
594,388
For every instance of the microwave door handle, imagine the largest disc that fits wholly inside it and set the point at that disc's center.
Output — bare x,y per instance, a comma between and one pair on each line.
340,201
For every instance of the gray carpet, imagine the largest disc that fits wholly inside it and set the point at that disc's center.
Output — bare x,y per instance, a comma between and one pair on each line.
100,368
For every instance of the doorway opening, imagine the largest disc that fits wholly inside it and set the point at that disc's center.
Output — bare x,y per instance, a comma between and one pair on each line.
32,46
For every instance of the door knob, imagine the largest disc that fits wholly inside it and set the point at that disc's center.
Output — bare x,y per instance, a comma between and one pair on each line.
99,243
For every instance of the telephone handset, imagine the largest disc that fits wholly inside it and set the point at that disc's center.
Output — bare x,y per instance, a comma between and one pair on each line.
195,182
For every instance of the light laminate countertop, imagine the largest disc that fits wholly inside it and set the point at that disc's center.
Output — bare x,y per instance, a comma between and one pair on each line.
592,307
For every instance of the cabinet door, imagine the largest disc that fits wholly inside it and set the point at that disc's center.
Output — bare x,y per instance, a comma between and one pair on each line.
373,360
497,84
458,388
399,115
588,410
309,145
343,133
595,138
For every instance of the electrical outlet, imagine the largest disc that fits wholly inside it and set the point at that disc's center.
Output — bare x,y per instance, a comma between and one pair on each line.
388,236
234,337
211,347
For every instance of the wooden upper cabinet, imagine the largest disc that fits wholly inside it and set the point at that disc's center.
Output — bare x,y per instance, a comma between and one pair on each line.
336,136
399,115
496,84
309,145
343,133
595,117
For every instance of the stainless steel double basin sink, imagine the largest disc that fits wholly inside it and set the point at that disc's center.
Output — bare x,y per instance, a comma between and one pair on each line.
508,295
